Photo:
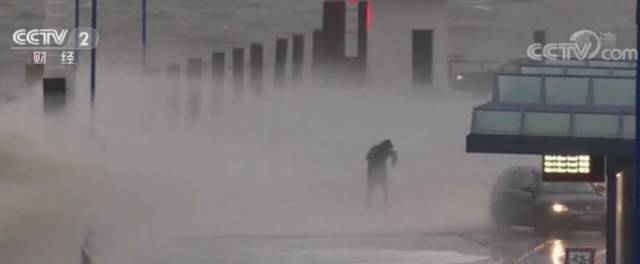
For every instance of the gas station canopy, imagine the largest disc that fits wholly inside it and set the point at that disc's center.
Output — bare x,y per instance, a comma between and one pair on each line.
574,108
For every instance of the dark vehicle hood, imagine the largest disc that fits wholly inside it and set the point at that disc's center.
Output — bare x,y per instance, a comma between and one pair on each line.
570,197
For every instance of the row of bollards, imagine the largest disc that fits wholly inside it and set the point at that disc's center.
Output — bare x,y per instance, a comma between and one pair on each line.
328,47
328,56
329,64
328,59
194,77
255,68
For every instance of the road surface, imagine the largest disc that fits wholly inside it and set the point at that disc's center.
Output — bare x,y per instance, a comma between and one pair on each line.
477,248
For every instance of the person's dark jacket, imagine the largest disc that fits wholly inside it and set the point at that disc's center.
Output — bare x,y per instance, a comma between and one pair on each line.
377,159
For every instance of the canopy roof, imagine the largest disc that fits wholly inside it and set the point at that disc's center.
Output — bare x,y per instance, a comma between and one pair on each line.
559,109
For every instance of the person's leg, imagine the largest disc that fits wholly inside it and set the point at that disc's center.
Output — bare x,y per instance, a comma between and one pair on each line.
370,191
385,193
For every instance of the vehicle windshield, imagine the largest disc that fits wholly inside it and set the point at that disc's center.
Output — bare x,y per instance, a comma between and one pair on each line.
567,187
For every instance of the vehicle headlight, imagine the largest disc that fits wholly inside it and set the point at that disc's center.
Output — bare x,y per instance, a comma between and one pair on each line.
459,77
559,208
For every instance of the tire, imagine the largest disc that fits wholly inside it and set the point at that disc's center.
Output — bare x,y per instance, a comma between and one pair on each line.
500,223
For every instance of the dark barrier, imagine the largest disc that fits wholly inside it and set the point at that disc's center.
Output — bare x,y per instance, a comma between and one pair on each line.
54,91
297,60
173,86
33,73
318,54
217,80
281,61
194,85
256,63
238,71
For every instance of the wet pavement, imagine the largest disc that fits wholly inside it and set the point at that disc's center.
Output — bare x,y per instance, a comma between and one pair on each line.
520,246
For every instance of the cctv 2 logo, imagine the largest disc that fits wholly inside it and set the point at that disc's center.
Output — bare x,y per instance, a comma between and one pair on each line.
79,38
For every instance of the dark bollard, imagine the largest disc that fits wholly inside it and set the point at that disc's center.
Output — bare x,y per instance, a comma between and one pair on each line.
238,71
54,91
173,71
194,86
318,53
281,61
334,27
540,37
422,57
173,86
54,87
257,65
218,69
194,69
217,80
297,60
33,73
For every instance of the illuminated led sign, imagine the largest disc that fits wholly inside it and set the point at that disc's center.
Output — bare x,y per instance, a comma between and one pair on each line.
583,168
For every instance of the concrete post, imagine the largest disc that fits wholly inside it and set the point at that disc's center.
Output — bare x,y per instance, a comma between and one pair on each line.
33,73
238,71
318,52
54,91
256,63
194,86
217,80
297,60
281,61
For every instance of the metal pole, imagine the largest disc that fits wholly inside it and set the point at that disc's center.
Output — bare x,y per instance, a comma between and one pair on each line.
144,33
94,26
77,24
636,161
612,168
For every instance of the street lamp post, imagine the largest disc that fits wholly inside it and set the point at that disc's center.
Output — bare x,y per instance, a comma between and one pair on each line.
636,158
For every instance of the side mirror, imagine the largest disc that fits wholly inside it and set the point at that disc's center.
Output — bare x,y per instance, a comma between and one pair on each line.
600,188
